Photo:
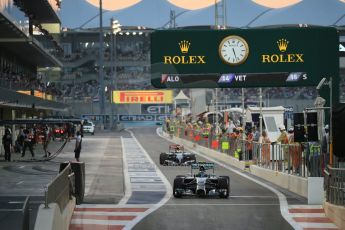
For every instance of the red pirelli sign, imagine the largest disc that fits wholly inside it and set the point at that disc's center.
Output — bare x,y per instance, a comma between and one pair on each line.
143,97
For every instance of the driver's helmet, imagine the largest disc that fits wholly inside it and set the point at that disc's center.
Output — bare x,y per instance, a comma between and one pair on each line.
202,171
178,149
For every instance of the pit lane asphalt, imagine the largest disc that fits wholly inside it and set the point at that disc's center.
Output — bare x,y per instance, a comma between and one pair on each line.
250,205
102,154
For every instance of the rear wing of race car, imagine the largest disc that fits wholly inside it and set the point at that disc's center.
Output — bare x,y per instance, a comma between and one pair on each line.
206,165
174,147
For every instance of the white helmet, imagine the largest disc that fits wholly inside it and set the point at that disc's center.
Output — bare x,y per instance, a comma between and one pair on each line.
281,127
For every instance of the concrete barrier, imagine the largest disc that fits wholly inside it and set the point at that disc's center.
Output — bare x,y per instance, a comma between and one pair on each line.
292,183
336,213
316,193
53,218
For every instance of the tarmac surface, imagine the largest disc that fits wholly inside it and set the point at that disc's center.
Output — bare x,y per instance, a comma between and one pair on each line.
24,177
127,188
250,206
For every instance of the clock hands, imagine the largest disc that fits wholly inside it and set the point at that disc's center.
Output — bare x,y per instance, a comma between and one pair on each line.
233,50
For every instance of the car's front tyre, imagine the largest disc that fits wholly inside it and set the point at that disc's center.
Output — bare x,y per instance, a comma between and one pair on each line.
178,185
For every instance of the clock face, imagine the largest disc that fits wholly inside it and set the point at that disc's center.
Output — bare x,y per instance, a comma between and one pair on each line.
233,50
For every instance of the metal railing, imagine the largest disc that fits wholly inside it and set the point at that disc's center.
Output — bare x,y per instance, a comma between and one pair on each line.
300,159
335,185
60,190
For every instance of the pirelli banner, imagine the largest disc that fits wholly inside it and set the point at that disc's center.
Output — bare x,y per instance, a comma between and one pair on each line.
143,97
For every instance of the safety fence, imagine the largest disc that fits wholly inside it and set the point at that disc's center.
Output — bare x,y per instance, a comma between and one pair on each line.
301,159
60,190
10,218
335,185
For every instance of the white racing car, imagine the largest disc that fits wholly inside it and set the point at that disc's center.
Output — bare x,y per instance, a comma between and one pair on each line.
177,156
202,184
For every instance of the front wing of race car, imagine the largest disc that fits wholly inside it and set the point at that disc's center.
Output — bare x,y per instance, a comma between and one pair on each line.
201,186
177,159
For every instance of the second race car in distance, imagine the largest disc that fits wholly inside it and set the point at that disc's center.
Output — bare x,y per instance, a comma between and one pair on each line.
177,156
201,183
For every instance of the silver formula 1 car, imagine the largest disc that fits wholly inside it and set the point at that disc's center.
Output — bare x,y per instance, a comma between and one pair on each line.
201,183
177,156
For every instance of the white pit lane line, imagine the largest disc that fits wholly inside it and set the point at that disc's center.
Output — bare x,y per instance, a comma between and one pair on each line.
284,210
127,183
128,191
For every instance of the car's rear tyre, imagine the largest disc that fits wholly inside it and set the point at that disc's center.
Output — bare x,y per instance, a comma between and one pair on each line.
93,133
224,184
162,158
178,184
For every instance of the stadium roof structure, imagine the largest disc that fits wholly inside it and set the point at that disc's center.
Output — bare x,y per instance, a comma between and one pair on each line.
14,39
39,10
13,99
9,29
240,13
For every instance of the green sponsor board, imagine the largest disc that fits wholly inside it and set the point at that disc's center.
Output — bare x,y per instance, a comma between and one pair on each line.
237,58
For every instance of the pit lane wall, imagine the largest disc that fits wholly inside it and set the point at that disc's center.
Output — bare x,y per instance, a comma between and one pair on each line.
292,183
52,218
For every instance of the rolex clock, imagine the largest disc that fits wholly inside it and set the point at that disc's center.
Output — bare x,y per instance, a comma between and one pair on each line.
233,50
